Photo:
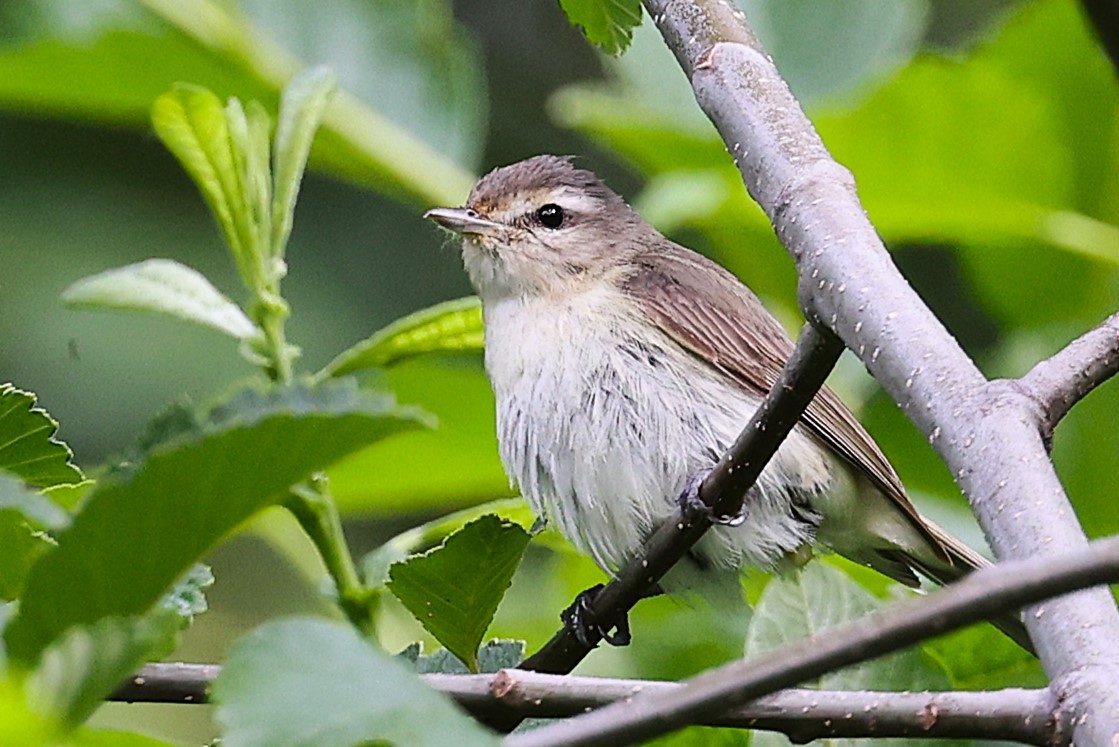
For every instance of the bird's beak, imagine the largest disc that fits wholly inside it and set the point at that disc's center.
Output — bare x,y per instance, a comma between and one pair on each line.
463,220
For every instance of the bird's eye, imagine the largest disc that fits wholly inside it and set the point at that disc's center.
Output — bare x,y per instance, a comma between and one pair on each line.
550,215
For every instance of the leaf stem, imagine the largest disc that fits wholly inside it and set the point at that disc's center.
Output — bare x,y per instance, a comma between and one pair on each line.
313,507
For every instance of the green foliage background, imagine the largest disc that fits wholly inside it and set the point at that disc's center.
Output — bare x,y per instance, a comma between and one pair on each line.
983,136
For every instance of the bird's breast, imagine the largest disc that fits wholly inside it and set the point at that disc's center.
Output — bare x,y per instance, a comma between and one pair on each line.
597,418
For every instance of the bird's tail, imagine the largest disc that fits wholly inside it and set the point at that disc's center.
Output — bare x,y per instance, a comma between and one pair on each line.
962,560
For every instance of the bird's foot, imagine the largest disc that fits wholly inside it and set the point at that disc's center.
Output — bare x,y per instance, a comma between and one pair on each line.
690,500
576,618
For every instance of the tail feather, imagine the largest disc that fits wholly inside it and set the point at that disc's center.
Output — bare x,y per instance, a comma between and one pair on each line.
962,560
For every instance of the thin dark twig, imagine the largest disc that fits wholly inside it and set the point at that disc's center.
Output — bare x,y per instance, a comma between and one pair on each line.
722,491
978,596
168,683
1059,382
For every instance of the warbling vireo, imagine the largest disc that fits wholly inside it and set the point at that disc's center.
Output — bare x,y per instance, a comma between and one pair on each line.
624,365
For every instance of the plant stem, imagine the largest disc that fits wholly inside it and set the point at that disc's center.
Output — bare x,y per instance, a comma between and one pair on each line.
315,510
280,368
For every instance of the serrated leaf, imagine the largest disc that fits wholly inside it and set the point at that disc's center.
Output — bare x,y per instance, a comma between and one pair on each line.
34,508
608,24
162,286
452,326
301,107
500,654
68,497
454,590
88,662
28,447
191,122
142,528
310,682
493,656
188,598
375,565
813,599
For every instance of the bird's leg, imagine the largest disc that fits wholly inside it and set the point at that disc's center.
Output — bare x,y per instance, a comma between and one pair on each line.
577,619
690,500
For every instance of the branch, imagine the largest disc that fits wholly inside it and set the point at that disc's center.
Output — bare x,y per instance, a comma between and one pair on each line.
980,595
1058,383
168,683
1027,716
986,432
722,492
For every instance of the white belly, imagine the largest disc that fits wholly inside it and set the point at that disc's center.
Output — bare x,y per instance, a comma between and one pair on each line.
602,431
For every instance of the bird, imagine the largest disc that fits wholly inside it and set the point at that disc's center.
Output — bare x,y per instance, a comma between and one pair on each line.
624,365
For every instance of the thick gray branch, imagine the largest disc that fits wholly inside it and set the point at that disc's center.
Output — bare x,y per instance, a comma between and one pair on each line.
981,595
986,432
1058,383
1027,716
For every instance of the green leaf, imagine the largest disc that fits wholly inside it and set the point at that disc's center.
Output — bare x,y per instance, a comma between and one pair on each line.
191,121
816,598
427,84
865,39
140,529
494,656
88,662
68,497
250,131
188,599
20,548
710,736
498,654
22,513
375,565
980,657
417,67
20,724
810,601
162,286
454,590
447,468
297,683
28,448
608,24
301,108
452,326
34,508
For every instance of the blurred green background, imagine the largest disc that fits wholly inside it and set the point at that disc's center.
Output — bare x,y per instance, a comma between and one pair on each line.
983,135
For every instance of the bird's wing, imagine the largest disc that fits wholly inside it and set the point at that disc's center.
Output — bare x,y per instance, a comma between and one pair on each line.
728,328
